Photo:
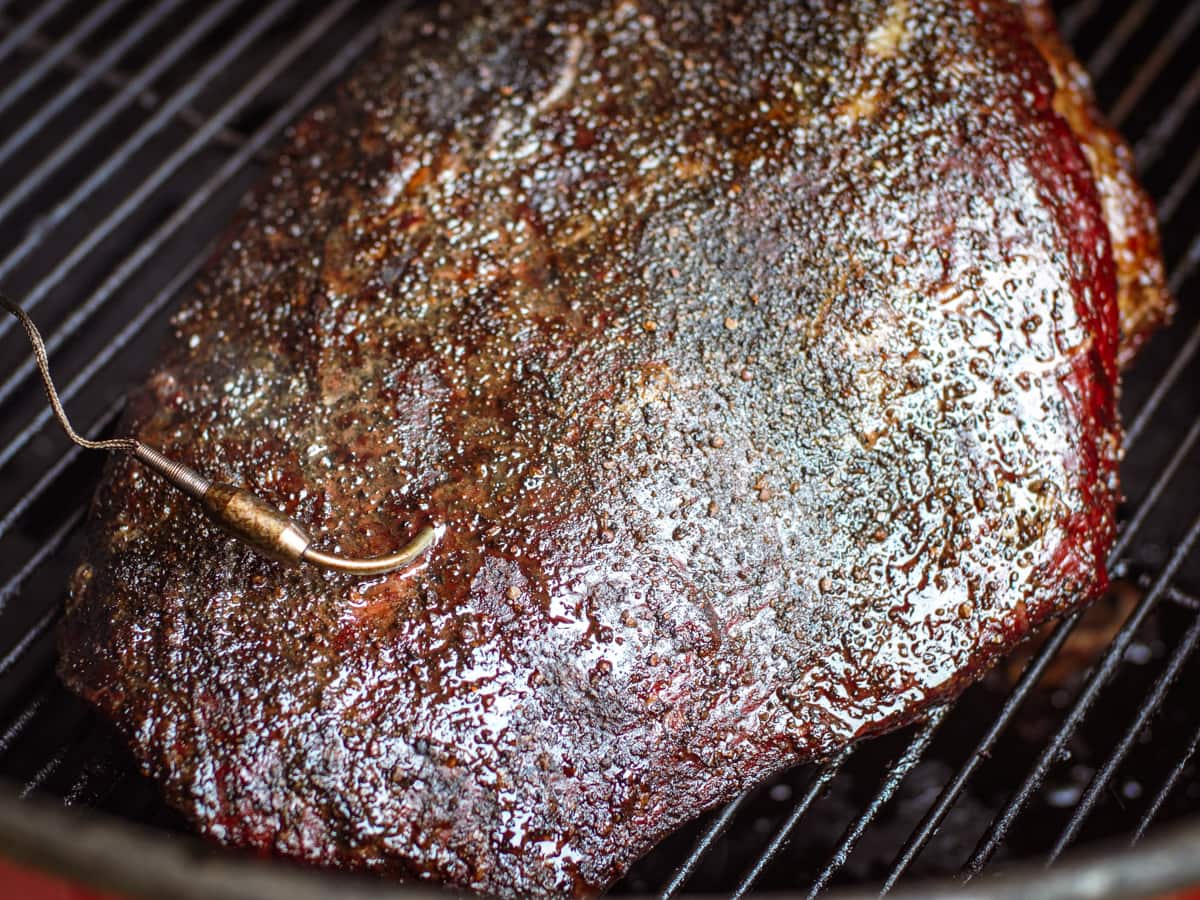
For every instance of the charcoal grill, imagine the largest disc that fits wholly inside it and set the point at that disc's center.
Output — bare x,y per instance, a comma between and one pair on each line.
128,132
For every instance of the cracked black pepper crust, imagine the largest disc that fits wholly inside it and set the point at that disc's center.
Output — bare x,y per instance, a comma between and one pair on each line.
759,358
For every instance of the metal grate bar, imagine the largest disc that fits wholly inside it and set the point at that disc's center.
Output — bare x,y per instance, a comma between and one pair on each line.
133,35
1151,146
17,716
1183,598
105,763
784,834
1082,10
1180,30
705,842
950,793
1180,186
127,333
899,770
1099,678
1031,675
103,117
85,792
115,79
54,55
39,777
1161,481
54,541
155,180
303,98
93,432
21,721
1118,37
1168,786
79,790
1029,678
21,33
1077,16
13,656
1179,276
101,175
1104,776
9,589
47,481
77,731
1183,271
1181,361
933,818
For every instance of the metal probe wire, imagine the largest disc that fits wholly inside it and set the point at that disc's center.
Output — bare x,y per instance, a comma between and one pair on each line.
127,445
235,510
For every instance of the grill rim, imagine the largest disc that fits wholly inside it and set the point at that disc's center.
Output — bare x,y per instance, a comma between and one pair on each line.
101,848
114,854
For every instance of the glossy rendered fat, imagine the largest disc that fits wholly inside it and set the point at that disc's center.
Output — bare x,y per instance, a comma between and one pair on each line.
759,359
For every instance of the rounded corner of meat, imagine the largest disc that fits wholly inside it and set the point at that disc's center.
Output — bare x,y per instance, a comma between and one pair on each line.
759,359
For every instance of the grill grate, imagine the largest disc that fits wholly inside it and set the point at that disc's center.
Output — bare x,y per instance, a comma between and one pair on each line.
129,132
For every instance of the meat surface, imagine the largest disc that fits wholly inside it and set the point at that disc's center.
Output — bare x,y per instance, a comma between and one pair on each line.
759,359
